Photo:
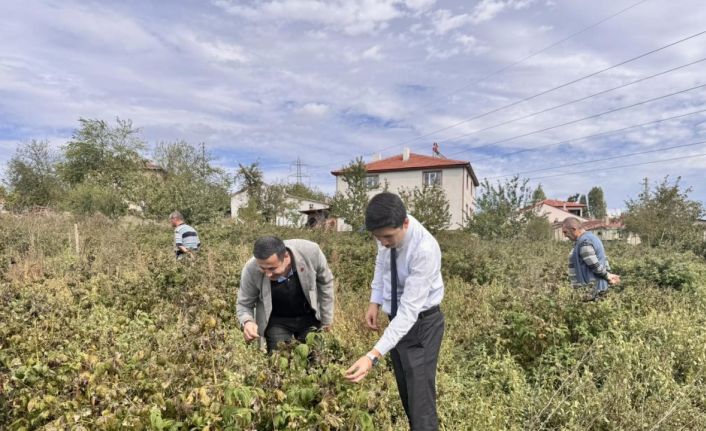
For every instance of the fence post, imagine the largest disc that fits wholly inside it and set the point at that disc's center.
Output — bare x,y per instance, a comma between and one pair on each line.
76,237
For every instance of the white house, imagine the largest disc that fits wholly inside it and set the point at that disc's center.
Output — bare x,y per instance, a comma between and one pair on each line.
306,212
409,170
557,211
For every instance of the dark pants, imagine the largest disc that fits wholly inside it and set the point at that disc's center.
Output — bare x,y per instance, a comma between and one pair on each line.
414,361
285,329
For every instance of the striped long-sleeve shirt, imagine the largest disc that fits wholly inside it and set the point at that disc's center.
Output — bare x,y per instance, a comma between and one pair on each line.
588,255
185,235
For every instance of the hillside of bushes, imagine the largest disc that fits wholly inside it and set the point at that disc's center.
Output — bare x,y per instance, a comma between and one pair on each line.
121,336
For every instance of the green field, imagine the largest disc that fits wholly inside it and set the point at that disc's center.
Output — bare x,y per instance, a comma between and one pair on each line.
120,336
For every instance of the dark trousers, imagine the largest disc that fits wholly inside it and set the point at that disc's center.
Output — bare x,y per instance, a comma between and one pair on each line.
414,360
285,329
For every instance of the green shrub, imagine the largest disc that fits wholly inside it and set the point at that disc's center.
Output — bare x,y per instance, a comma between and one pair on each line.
122,336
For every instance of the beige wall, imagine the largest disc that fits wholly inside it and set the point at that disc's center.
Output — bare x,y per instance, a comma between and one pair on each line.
456,183
237,201
293,219
553,214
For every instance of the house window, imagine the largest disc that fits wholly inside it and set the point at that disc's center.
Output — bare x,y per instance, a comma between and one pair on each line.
372,181
431,178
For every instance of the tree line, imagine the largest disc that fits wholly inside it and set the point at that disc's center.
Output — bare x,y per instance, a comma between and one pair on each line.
102,169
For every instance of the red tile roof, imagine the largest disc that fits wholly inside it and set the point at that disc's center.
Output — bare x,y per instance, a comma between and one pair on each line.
415,162
556,203
602,224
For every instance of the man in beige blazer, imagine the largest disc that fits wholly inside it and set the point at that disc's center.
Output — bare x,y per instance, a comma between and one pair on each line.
286,291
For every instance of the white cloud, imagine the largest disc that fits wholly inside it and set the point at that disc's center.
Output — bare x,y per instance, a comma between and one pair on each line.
373,53
419,5
354,17
471,44
444,21
215,49
315,109
441,54
486,10
343,78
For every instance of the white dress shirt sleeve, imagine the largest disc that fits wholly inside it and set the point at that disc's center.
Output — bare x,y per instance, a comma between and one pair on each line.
376,296
415,295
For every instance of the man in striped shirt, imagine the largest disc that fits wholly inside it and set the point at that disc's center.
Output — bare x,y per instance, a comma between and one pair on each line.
588,263
186,240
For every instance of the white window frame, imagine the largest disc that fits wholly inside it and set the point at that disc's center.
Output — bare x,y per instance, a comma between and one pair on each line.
437,182
372,181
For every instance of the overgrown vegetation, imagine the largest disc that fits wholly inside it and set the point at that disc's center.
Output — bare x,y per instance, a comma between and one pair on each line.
429,205
665,215
502,213
120,336
102,169
351,202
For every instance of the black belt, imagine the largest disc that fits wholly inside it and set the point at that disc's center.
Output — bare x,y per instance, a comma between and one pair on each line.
425,313
429,312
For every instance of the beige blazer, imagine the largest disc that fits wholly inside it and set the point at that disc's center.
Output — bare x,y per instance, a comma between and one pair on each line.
254,295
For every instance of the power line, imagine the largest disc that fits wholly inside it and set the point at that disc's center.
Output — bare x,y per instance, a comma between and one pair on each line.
566,84
522,60
599,160
534,96
513,120
512,138
580,138
691,156
595,135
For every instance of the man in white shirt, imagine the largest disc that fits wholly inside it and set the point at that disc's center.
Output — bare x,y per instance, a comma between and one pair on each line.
408,253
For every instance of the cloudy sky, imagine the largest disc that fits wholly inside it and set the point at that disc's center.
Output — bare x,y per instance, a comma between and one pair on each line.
569,93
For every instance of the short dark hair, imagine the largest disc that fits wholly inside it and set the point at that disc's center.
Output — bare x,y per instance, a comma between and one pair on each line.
266,246
385,210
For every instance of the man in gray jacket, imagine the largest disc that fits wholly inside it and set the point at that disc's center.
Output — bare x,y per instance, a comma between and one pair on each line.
286,291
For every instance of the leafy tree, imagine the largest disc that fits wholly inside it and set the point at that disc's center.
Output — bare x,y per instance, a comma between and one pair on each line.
251,178
429,205
596,203
31,176
573,198
265,202
499,208
89,198
188,182
350,204
250,212
275,202
538,194
664,215
538,228
100,153
302,191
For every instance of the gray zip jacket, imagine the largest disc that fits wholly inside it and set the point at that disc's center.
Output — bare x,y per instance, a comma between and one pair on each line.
254,295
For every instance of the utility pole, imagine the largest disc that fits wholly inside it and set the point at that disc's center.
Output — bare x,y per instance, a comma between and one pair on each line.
299,170
298,175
